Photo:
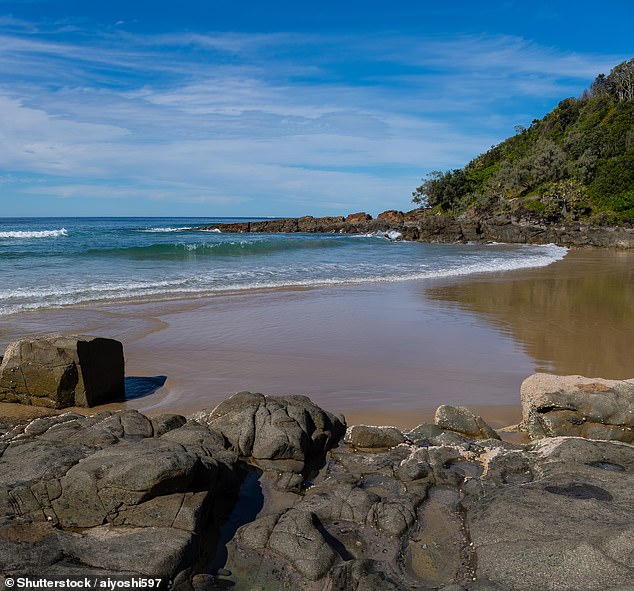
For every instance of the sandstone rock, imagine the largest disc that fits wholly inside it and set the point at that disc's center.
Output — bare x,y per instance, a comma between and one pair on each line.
391,216
462,420
356,218
367,436
579,406
61,371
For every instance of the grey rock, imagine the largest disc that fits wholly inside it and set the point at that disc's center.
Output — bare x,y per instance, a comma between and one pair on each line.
462,420
283,433
365,436
62,371
167,422
126,549
97,487
578,406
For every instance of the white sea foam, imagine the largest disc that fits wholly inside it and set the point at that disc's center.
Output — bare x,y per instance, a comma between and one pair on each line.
25,298
34,233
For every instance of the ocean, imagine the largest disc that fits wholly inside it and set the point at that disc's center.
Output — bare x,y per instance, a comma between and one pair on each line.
56,262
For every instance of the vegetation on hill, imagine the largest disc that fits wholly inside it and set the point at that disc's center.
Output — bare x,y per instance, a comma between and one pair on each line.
575,163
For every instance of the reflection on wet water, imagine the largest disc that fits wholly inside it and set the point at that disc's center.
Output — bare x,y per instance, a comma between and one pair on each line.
574,317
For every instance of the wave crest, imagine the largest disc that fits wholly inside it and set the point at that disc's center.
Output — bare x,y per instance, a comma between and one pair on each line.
34,233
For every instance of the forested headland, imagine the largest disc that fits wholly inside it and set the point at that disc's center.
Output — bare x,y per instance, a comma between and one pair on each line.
576,163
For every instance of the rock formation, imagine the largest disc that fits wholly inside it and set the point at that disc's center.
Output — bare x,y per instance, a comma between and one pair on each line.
578,406
446,506
447,229
61,371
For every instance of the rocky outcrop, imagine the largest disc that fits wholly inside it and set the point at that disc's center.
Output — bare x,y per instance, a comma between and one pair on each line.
115,493
447,229
62,371
436,508
578,406
391,216
456,514
367,436
358,218
286,434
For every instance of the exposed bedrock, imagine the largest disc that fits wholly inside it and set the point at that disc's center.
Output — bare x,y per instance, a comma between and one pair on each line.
441,228
444,506
286,434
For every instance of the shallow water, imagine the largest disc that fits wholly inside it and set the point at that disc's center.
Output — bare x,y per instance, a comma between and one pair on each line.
52,262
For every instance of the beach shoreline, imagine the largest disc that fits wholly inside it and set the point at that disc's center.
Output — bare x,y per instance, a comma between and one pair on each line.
376,353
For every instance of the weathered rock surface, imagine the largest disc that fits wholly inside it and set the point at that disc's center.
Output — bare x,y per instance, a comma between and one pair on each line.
62,371
286,434
356,218
368,436
462,420
117,493
574,405
473,515
441,228
114,493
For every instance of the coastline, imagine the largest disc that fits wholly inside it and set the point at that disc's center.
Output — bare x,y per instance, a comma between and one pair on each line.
374,352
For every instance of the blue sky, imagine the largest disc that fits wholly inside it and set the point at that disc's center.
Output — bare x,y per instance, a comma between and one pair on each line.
225,108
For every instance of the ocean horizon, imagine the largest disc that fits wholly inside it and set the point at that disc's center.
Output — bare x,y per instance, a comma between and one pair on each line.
49,262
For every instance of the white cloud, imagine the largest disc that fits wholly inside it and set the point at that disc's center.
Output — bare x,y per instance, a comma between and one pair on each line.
241,118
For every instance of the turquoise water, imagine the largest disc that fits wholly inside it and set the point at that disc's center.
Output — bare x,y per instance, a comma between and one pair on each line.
52,262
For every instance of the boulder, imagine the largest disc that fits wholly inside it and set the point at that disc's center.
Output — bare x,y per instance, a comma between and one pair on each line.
578,406
284,433
62,371
461,420
367,436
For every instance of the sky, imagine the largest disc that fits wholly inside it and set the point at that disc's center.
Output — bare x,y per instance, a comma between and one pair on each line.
275,108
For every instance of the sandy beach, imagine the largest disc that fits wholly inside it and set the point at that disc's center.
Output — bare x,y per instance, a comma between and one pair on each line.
377,353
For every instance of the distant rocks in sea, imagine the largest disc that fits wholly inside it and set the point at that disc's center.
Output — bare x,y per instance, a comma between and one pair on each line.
420,226
62,371
270,493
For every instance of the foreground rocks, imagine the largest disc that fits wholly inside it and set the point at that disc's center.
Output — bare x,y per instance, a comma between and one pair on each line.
62,371
574,405
446,506
119,493
449,512
415,225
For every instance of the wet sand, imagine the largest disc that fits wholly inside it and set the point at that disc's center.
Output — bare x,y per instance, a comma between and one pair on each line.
379,353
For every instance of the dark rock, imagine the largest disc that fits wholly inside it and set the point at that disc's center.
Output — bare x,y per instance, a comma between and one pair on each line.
281,433
167,422
103,495
62,371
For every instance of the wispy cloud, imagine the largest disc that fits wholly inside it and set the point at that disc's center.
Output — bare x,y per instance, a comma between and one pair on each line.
305,124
